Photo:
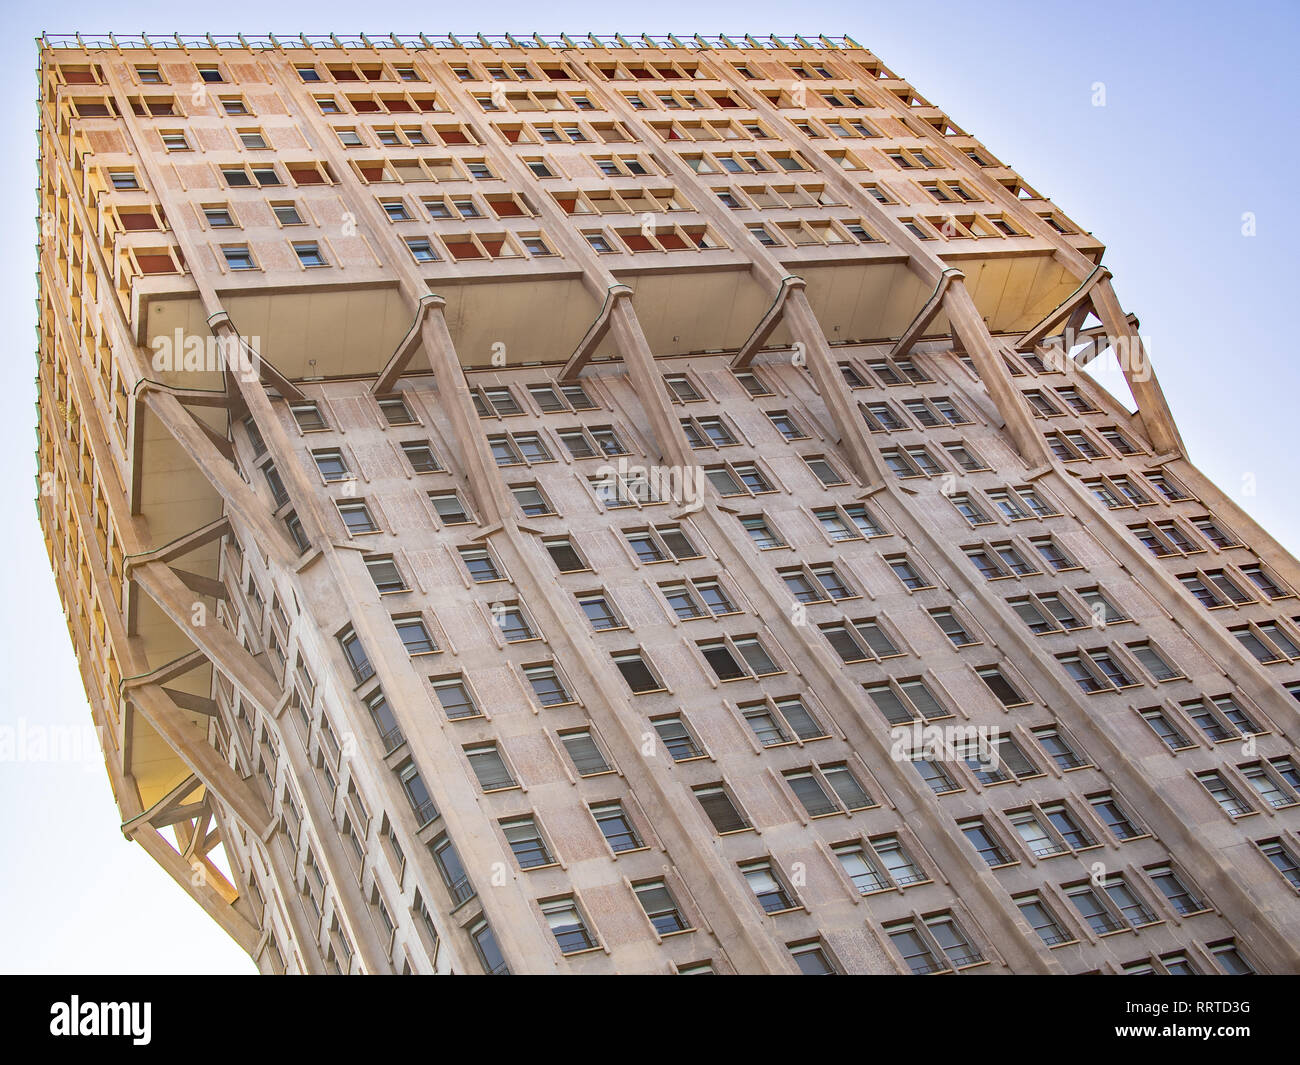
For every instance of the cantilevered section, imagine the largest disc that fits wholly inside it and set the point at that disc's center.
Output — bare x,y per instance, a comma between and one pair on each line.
342,341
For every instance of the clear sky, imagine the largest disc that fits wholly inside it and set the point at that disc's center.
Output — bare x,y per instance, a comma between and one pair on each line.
1198,129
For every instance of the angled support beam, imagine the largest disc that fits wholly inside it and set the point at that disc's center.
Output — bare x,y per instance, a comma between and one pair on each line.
926,314
410,344
834,390
204,761
164,806
197,704
183,545
494,501
249,675
1097,337
202,585
1153,408
768,323
1078,301
176,668
239,498
639,363
235,924
595,334
222,326
969,327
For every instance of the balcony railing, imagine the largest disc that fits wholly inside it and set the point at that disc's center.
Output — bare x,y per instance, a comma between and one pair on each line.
420,41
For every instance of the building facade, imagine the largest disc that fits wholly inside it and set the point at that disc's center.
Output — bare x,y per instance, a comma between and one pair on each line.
575,505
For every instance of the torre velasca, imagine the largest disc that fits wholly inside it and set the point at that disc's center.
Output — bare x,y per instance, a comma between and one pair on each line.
637,505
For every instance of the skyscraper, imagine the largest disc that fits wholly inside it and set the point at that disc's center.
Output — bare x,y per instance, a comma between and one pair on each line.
551,505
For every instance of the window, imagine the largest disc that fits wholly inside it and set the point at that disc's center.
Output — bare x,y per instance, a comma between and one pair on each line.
906,572
531,501
512,623
567,925
638,674
768,887
953,628
660,907
761,532
1059,747
1121,826
1283,860
422,250
774,721
1224,794
548,688
721,809
616,827
660,543
848,523
238,257
1230,958
331,464
1003,690
812,959
1220,718
451,870
395,411
490,768
356,516
480,564
309,254
308,416
1178,894
287,214
387,577
935,944
526,843
564,555
600,613
733,658
682,389
583,752
358,660
386,724
985,843
454,696
415,635
422,459
219,217
1042,920
450,509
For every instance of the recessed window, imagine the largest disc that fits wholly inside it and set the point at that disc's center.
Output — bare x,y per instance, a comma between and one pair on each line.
616,827
395,411
218,217
415,635
357,517
387,577
637,672
450,509
287,214
309,253
238,257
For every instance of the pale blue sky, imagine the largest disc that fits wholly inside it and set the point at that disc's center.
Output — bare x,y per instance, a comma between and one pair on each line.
1198,128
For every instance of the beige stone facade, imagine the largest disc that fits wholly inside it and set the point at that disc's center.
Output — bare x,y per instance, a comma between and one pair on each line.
613,505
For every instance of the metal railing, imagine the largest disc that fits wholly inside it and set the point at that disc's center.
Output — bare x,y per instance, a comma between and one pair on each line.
423,42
